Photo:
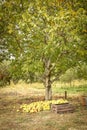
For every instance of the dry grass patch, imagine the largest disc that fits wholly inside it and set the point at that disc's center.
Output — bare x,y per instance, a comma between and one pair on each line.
12,97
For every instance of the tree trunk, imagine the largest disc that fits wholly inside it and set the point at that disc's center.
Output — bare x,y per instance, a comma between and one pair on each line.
47,80
48,93
48,89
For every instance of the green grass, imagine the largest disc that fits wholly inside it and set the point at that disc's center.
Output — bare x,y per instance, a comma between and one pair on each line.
71,89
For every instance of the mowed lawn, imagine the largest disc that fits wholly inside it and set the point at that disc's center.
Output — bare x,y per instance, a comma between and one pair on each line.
12,97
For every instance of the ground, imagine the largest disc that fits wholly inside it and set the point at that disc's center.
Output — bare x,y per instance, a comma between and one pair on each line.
10,119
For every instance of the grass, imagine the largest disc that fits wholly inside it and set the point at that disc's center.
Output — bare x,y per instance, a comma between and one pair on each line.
12,97
75,86
71,89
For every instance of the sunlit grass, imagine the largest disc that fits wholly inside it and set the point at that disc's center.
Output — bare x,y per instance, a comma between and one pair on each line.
76,87
71,90
22,88
11,97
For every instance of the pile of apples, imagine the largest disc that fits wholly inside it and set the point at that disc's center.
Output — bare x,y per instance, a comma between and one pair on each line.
40,106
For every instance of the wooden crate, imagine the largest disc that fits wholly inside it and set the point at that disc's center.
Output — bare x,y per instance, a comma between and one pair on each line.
62,108
83,100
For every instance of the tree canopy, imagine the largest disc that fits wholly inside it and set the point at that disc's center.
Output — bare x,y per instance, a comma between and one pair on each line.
43,37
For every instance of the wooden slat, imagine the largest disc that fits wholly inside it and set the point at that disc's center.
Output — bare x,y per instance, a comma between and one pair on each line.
61,108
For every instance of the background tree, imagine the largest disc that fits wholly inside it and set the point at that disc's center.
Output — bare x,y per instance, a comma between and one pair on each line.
5,76
69,76
82,71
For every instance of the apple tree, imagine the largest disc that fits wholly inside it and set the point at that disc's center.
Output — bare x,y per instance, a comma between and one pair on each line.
46,38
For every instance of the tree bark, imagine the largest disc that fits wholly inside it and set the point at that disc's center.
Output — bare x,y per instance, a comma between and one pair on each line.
48,93
47,80
48,88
